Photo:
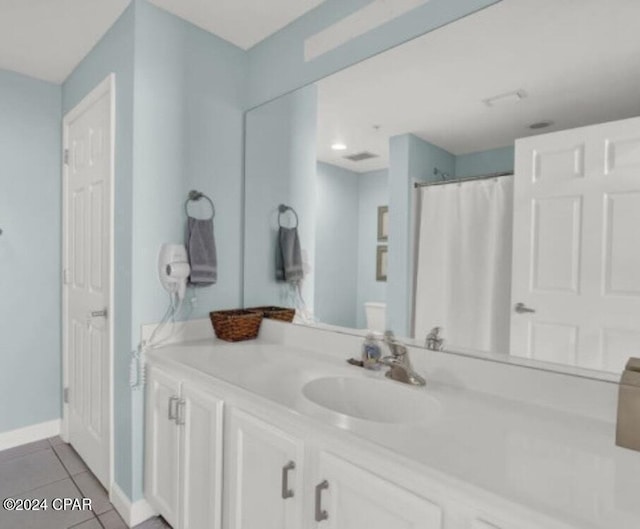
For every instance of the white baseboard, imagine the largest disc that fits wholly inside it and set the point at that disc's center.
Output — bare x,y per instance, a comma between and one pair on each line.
29,434
131,513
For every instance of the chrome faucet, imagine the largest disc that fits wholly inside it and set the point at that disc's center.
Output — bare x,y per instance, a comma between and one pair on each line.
399,363
434,340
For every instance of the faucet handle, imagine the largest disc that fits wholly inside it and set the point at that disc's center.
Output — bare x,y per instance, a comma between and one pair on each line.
396,347
399,349
434,339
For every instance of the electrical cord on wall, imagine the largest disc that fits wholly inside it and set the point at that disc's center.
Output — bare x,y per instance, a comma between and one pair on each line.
292,296
137,375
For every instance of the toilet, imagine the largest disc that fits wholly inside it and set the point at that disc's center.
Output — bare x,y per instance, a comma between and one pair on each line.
376,314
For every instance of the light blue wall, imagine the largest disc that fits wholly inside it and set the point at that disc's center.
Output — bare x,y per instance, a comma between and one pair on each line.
277,64
411,160
485,162
346,241
280,167
189,95
115,53
373,191
180,96
30,268
337,247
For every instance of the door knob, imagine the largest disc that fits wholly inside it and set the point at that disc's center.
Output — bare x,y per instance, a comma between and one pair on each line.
521,308
99,313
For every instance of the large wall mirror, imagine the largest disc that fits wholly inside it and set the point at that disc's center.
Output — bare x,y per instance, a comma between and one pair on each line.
478,185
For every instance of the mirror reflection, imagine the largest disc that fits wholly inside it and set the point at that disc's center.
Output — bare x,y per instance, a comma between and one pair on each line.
477,199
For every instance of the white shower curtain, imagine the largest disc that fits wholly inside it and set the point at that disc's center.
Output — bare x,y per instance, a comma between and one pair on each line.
463,270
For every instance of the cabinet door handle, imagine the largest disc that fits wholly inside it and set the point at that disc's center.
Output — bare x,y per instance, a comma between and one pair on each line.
321,514
180,412
286,491
173,409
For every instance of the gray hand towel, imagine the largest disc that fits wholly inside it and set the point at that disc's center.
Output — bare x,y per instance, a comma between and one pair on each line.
289,256
201,247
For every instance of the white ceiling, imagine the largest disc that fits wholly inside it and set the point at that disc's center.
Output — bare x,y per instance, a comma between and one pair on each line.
242,22
578,61
46,39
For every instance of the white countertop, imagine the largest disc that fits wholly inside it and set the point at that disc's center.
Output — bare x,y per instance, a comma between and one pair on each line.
561,465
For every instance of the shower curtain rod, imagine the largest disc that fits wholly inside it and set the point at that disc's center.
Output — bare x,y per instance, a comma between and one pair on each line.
460,180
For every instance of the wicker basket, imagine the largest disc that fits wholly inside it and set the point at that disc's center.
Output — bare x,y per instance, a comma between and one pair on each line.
236,325
275,313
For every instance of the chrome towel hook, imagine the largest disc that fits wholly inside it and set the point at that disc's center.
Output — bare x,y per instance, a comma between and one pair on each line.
441,174
195,196
283,208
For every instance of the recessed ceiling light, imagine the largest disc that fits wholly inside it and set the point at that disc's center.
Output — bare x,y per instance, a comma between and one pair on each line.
541,124
339,147
505,99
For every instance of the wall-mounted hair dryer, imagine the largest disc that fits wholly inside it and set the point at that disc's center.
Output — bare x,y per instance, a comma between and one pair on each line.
173,268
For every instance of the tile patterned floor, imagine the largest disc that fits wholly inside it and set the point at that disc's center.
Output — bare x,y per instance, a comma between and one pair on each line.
52,469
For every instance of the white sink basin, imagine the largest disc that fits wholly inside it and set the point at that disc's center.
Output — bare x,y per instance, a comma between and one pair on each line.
372,400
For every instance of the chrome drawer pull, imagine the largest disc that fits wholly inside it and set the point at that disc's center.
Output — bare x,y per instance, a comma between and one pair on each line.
320,514
286,492
180,412
173,401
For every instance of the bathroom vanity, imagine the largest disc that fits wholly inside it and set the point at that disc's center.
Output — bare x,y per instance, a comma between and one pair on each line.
277,433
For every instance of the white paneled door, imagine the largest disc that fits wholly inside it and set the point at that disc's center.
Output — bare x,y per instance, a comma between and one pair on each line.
88,168
576,252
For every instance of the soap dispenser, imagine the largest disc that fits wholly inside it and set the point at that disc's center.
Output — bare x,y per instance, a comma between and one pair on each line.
628,427
371,353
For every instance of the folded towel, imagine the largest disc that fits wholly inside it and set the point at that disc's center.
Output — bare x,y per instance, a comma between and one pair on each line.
289,256
201,247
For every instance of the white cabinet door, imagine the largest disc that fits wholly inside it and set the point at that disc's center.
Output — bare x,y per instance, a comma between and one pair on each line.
200,418
162,438
575,255
348,497
264,466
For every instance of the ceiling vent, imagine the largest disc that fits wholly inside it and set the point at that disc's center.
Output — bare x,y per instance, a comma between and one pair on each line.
505,99
541,124
361,156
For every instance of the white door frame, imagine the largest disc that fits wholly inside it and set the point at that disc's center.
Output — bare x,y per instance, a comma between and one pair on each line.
107,86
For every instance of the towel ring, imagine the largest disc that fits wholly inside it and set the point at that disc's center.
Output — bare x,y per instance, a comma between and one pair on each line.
195,196
283,209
